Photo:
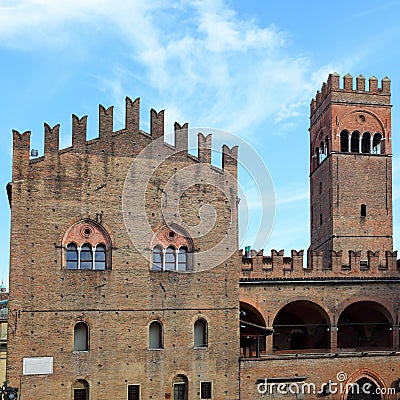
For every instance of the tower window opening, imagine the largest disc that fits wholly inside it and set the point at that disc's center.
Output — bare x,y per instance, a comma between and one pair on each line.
376,143
320,188
317,156
326,146
355,142
322,154
320,219
363,210
366,143
344,141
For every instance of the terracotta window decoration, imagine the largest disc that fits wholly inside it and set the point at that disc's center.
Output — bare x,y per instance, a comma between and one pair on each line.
172,250
87,246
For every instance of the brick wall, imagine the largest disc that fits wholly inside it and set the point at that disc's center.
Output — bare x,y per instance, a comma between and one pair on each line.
86,182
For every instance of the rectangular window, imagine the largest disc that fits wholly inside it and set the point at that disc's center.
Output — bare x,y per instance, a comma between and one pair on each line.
206,390
364,264
179,391
133,392
79,394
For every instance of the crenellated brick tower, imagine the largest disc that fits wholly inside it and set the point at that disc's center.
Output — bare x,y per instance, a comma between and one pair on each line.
335,317
351,170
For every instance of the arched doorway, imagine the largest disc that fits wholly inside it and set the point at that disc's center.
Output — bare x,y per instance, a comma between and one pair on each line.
253,331
365,324
301,325
363,389
80,390
180,386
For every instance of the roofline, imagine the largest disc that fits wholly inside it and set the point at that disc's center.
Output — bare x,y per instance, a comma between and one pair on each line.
334,280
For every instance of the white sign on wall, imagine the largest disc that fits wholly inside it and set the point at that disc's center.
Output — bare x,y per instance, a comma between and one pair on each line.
37,366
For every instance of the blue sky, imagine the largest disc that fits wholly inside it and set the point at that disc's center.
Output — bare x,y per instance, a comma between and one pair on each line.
247,67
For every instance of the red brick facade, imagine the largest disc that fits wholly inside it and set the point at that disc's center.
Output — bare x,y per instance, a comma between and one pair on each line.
97,320
97,296
331,315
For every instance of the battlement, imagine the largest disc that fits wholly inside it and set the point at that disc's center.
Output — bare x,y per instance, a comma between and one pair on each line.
378,94
128,141
254,264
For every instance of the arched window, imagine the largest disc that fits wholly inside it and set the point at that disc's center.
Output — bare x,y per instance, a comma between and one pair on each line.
355,142
317,156
344,141
87,246
170,258
326,146
376,143
86,257
80,390
200,333
81,337
155,335
363,210
366,143
182,259
172,250
72,256
322,154
100,257
157,258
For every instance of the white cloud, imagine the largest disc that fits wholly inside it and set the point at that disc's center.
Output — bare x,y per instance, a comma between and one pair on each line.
292,198
225,70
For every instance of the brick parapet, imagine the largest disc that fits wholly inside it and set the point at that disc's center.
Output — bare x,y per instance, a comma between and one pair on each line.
255,264
331,91
129,141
